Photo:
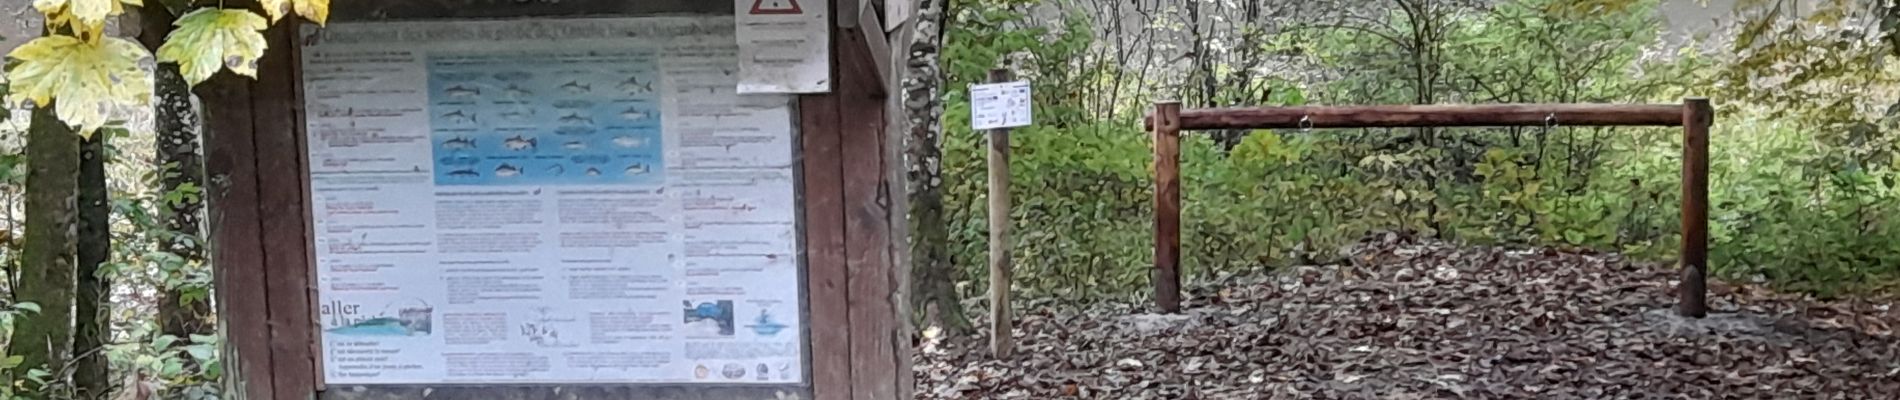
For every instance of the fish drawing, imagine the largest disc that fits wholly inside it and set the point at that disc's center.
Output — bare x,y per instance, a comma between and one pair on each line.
636,114
507,171
460,160
464,173
517,92
591,171
460,117
629,141
576,119
519,143
574,130
576,87
575,145
637,169
633,85
460,143
517,114
462,91
556,170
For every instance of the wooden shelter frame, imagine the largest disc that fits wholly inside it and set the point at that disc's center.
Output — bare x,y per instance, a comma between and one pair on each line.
1694,115
850,204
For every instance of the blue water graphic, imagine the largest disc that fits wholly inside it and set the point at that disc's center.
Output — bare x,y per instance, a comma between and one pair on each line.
546,118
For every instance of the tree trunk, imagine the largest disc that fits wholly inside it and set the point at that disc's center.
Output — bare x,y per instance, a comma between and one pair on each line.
44,340
935,291
182,310
93,311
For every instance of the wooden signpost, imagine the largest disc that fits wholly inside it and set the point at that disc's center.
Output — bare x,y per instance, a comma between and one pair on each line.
538,200
995,108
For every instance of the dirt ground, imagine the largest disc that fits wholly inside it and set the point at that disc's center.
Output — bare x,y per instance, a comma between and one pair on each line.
1429,321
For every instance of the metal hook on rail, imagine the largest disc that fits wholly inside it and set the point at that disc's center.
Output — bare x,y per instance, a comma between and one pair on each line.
1306,123
1550,122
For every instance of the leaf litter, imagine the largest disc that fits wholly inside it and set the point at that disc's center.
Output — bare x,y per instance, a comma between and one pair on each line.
1401,319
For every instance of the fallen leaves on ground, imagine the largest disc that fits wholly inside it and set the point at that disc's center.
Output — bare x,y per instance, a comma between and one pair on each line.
1429,321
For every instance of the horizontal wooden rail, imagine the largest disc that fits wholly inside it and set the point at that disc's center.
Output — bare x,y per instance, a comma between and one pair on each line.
1398,116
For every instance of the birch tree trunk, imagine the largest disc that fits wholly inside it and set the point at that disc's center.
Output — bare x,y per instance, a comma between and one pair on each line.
934,278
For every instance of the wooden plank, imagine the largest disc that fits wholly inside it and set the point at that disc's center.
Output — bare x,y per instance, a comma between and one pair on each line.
281,203
302,130
570,392
1697,116
1167,150
822,173
880,51
1002,331
1431,116
475,9
237,254
871,284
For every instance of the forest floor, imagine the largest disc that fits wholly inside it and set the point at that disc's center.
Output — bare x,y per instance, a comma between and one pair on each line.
1431,320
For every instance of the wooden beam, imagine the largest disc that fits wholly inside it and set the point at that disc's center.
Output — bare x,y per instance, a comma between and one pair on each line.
1002,332
879,60
1430,116
238,256
1167,159
1697,116
825,269
282,214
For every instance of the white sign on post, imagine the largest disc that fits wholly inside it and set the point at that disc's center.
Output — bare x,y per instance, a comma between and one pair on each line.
1000,105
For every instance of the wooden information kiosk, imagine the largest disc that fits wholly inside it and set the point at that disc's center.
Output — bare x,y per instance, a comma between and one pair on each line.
578,199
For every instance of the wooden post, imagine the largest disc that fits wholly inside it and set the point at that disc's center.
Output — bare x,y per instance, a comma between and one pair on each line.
1167,142
1002,332
1697,116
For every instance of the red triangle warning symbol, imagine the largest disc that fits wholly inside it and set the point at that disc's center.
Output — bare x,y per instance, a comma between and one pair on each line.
776,7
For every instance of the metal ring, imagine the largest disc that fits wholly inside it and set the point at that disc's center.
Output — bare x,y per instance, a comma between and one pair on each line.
1306,123
1550,121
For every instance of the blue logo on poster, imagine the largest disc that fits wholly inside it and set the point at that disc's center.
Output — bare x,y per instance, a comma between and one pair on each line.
765,325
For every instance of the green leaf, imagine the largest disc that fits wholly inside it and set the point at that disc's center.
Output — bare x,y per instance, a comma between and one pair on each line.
28,307
213,38
86,79
164,342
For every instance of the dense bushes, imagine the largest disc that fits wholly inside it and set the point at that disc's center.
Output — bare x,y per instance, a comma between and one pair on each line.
1793,204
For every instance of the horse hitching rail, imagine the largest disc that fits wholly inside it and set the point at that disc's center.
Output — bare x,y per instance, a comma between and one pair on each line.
1694,114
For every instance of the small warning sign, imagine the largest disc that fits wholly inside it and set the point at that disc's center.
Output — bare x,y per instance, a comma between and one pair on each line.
776,7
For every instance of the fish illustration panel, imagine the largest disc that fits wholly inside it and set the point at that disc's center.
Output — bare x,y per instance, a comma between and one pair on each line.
509,118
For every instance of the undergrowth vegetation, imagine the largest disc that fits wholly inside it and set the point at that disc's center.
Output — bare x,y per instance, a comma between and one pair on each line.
1803,187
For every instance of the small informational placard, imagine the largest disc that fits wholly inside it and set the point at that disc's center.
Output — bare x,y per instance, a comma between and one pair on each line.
1000,105
784,46
582,201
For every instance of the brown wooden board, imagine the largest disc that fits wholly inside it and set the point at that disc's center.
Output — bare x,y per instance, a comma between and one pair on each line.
237,254
1319,117
867,223
823,193
493,9
281,208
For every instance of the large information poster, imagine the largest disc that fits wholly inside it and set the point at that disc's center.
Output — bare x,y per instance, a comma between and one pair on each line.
550,201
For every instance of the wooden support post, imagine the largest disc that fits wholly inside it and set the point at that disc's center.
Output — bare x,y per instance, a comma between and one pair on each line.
1167,146
1697,116
1002,331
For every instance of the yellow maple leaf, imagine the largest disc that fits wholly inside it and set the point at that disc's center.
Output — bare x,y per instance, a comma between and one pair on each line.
83,15
85,79
317,11
213,38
